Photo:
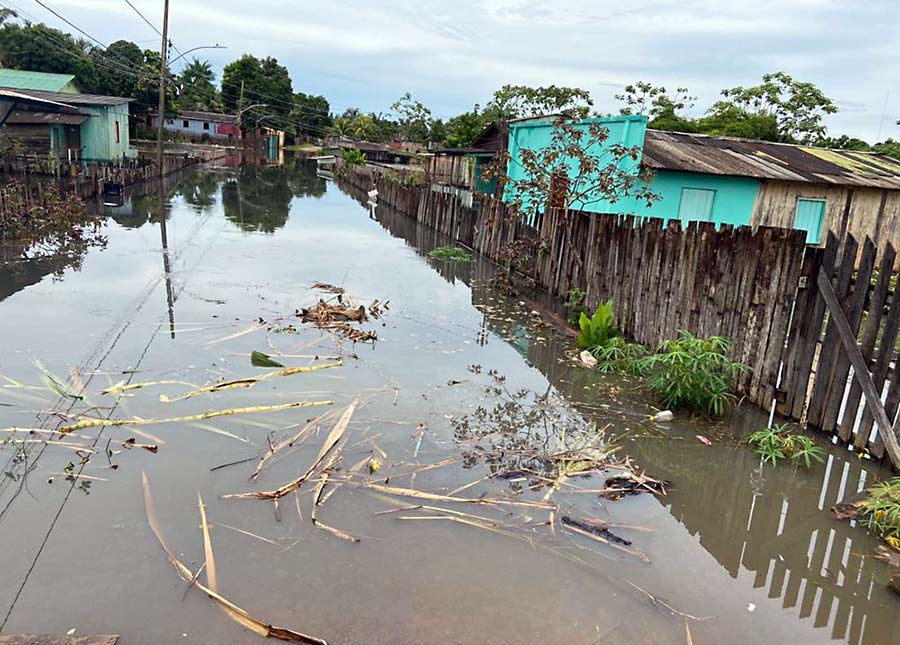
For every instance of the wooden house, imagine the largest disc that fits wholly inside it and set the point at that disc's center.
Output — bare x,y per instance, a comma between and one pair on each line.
65,125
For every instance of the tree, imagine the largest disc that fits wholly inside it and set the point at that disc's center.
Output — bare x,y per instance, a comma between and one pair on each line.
197,89
6,14
413,118
654,100
463,129
146,88
797,107
355,125
575,170
725,119
118,67
42,49
311,114
265,82
844,142
518,101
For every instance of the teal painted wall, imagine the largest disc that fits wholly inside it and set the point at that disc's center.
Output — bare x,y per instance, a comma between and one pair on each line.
732,204
98,133
734,196
624,130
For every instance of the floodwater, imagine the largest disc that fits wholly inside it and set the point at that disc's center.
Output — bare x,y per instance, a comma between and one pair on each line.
747,551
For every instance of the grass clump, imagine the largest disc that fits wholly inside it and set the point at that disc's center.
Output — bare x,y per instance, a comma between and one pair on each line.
620,357
692,373
450,254
781,443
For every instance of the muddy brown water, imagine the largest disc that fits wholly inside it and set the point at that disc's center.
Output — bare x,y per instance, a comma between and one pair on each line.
748,548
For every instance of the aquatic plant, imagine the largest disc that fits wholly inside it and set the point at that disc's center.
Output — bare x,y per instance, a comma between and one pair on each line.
353,157
599,329
693,373
881,509
450,254
780,442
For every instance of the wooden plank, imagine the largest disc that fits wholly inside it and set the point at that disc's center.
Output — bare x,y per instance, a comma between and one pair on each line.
854,307
848,340
56,639
867,342
830,346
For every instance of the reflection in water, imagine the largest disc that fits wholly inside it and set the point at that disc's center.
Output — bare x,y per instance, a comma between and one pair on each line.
259,198
769,526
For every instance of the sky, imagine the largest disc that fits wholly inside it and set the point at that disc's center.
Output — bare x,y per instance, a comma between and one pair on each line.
451,54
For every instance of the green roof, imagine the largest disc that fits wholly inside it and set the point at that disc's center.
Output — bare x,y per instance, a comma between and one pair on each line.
25,80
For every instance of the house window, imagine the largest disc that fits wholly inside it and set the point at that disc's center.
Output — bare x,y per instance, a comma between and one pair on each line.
809,217
117,132
696,205
206,125
185,124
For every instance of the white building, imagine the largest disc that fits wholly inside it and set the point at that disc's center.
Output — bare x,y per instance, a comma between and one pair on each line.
200,125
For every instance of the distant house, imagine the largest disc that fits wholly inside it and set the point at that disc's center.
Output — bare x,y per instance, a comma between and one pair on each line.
65,125
27,80
200,125
726,180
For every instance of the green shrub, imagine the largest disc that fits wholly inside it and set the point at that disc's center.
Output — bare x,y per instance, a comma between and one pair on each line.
354,157
882,509
575,305
693,373
780,443
450,254
599,329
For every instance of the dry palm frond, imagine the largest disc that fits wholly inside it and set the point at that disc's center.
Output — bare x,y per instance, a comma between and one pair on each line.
250,381
92,423
234,612
330,441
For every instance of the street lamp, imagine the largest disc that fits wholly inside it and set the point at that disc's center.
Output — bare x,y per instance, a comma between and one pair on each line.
193,49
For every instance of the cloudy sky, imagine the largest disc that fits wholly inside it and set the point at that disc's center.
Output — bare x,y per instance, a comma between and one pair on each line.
453,53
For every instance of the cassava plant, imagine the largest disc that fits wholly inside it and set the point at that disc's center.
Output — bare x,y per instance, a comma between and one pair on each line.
780,442
693,373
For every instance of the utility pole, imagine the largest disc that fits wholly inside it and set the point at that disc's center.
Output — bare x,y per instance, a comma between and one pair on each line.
161,112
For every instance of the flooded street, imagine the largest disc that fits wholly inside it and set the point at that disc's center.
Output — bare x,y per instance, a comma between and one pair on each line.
740,552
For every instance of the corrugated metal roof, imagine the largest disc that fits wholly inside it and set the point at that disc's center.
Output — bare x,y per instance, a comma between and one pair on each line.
21,97
765,160
45,118
72,99
27,80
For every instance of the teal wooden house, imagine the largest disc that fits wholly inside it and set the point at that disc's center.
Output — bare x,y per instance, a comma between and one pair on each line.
65,125
726,180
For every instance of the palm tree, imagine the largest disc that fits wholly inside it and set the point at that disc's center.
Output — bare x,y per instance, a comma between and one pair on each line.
198,91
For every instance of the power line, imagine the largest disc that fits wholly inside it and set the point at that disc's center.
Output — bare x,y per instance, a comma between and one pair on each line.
143,17
152,26
69,22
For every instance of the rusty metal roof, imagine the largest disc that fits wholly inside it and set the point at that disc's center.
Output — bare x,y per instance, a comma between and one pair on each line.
24,117
730,156
69,98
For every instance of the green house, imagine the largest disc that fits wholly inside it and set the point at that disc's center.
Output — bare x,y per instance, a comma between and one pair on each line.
67,126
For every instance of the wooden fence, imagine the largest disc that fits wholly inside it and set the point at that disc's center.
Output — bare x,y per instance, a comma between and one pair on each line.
773,536
763,289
